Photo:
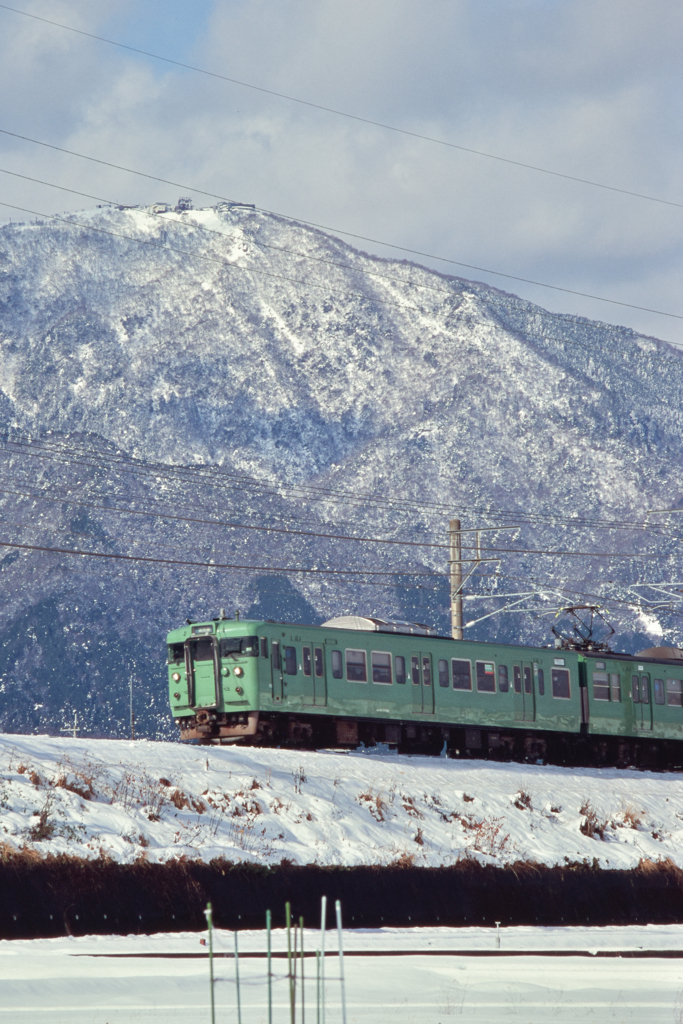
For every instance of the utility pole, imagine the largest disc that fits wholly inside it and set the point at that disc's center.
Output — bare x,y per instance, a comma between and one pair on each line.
132,712
456,578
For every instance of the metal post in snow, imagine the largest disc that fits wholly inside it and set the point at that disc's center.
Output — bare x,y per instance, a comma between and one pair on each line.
323,923
497,934
337,907
317,986
288,916
209,925
301,941
237,982
132,713
270,973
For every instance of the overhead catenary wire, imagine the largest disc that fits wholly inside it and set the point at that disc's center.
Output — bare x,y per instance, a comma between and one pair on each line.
367,238
342,113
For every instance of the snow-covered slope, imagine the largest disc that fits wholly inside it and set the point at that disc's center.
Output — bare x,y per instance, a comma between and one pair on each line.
276,356
159,801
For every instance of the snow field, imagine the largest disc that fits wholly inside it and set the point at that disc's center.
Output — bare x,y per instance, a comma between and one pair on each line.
161,800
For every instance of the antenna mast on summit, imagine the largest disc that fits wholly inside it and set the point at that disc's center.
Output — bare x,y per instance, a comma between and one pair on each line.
456,578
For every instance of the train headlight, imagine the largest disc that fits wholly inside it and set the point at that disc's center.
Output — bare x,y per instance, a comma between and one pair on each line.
176,677
239,671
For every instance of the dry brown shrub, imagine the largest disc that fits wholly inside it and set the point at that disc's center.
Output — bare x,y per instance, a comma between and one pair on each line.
44,828
179,800
35,778
374,803
489,837
165,782
419,837
592,825
632,817
198,805
410,808
467,798
523,801
22,768
404,860
255,784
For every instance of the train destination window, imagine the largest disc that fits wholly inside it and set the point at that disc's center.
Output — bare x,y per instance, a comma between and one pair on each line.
337,665
415,670
202,650
381,667
674,692
264,646
527,678
600,685
290,661
176,653
275,648
462,674
400,668
644,689
541,682
443,673
658,686
615,685
306,660
319,663
356,666
427,671
503,681
486,680
560,683
635,689
517,678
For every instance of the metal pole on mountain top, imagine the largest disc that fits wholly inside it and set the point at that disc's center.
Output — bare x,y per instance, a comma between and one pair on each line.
455,544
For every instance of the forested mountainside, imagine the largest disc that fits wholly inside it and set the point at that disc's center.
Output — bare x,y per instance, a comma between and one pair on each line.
163,372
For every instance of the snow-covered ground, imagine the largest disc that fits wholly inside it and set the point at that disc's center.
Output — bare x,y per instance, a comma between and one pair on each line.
160,800
121,980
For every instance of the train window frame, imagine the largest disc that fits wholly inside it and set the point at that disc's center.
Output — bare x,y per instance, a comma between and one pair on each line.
676,691
426,670
635,689
307,660
615,687
659,691
461,661
559,683
503,679
516,678
601,686
176,653
350,663
337,664
202,643
275,655
645,695
382,654
415,669
290,659
264,646
483,675
400,669
443,673
319,662
540,674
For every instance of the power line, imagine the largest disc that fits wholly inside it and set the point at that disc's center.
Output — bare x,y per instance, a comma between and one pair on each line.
366,238
344,113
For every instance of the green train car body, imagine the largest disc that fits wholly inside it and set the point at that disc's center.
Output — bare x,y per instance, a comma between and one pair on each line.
266,682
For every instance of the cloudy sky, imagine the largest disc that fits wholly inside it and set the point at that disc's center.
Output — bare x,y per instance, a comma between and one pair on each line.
588,88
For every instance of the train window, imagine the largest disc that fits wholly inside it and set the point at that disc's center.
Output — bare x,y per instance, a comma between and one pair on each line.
400,668
527,679
674,692
415,670
635,689
202,650
486,679
600,665
660,693
239,645
644,689
462,674
275,649
541,682
517,678
319,663
427,671
560,682
381,667
600,686
264,646
443,673
306,661
615,686
337,665
290,661
356,666
503,681
176,654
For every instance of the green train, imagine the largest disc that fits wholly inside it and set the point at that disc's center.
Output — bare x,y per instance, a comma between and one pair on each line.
360,680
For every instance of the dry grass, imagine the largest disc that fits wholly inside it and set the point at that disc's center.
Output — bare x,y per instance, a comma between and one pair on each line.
374,803
410,808
592,825
523,801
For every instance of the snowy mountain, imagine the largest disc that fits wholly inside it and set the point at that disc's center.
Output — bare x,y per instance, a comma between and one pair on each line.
211,365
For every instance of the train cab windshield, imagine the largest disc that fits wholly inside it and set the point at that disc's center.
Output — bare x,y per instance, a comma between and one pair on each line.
245,645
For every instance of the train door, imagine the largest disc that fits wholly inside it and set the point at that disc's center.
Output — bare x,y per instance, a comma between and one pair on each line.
642,702
307,669
427,685
518,691
319,681
276,671
529,694
201,653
